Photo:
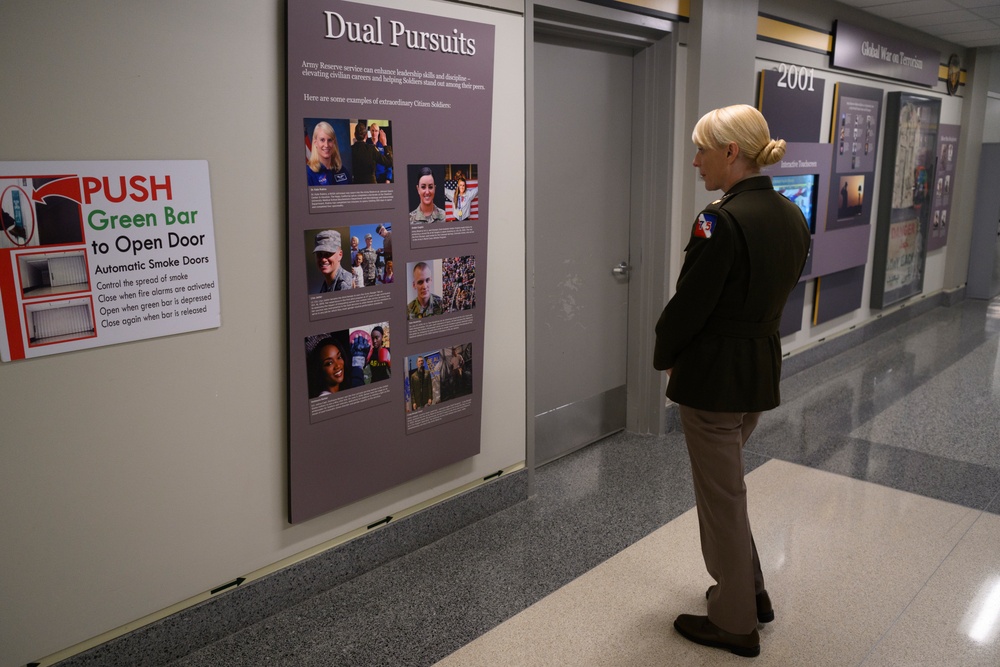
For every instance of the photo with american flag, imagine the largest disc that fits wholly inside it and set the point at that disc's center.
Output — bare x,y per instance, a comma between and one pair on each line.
461,192
443,192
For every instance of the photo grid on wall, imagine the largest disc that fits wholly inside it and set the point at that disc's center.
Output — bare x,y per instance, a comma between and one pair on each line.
389,129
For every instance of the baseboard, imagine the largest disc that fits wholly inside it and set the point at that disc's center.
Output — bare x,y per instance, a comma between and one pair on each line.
195,627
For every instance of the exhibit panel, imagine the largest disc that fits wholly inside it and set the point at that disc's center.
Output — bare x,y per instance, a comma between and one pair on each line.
389,129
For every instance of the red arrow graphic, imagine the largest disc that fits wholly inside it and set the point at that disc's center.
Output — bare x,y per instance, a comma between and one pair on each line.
67,186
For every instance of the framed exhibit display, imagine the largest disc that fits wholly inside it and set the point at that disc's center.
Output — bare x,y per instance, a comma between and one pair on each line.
387,230
905,203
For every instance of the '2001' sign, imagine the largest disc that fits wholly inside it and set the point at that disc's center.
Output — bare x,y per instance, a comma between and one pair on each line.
796,78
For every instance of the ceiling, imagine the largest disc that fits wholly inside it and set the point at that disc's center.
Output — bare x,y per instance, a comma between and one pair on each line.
968,23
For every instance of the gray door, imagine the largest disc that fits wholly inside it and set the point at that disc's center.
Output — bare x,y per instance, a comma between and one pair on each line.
984,257
583,140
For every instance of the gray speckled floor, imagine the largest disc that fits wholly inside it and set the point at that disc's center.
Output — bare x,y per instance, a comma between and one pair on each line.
915,409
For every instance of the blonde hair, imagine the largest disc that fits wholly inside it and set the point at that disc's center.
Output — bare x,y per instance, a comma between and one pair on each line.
335,161
745,126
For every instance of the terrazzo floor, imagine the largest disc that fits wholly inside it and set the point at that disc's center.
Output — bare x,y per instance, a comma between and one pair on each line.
874,494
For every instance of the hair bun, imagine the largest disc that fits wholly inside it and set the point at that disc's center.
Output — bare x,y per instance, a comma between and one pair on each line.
772,152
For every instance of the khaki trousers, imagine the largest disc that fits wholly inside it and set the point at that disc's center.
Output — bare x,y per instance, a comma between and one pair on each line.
715,444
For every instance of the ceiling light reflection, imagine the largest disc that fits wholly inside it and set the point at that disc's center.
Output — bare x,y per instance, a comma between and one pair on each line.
983,628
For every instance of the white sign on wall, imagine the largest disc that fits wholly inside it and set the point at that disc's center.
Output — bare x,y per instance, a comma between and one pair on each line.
98,253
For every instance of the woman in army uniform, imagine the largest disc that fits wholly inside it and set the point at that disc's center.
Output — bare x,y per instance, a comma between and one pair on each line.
718,341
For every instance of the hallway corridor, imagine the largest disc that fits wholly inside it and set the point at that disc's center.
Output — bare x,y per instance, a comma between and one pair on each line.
875,499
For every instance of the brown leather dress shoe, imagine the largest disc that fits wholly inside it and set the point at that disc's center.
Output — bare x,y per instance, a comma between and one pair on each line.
702,631
765,612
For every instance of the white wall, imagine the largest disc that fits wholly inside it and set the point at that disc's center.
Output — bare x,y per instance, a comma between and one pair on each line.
136,476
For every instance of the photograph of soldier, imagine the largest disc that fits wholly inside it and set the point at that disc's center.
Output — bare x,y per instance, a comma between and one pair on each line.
369,257
434,361
326,272
419,383
426,198
423,292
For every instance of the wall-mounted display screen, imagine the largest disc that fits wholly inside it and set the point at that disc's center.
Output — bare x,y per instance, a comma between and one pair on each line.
801,190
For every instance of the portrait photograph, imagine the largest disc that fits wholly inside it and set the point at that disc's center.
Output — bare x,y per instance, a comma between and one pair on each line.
443,192
424,289
327,259
330,366
327,143
425,193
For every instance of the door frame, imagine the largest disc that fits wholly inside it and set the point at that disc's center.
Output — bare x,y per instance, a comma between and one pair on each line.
654,75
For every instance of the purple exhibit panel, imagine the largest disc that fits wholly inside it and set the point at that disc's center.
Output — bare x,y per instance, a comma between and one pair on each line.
389,121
